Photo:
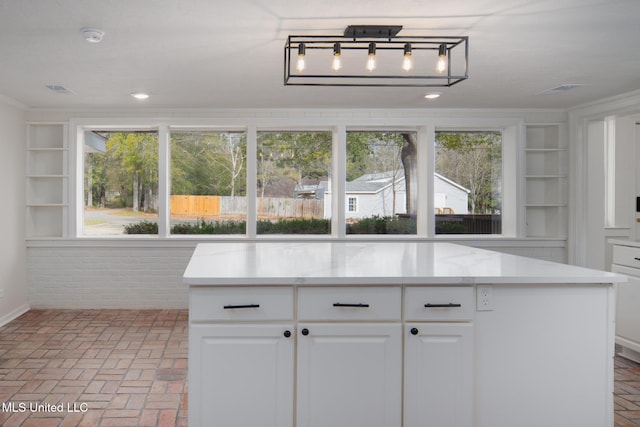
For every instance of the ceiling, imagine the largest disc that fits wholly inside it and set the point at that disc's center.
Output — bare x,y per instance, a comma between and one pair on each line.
229,53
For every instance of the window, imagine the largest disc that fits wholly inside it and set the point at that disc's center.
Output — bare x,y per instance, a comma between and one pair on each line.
381,172
241,180
352,204
468,182
120,183
293,170
208,182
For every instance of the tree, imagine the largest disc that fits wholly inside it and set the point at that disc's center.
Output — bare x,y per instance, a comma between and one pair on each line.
291,158
473,160
208,163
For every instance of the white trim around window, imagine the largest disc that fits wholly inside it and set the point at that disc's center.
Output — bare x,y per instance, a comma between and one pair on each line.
513,138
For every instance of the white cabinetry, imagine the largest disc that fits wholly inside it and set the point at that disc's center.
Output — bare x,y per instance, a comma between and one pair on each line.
337,360
241,373
46,180
626,260
438,357
245,375
546,181
349,375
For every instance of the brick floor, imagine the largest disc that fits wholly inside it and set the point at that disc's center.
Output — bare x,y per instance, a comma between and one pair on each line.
128,368
94,368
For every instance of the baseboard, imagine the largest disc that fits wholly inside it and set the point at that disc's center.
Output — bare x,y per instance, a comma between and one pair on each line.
14,314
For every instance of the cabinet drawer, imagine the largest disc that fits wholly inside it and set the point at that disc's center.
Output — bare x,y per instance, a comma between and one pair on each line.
439,303
240,304
626,255
351,303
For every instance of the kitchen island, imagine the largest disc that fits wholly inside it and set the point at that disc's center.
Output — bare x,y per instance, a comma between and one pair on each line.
389,334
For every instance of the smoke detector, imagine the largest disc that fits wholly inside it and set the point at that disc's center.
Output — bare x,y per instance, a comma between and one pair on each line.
92,35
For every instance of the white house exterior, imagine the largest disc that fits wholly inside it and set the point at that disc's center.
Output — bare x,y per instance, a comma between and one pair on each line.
373,194
450,197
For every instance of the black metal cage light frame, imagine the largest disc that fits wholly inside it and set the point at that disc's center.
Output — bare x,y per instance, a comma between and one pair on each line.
450,53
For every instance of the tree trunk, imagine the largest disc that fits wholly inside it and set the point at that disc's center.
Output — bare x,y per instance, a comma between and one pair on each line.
410,164
136,192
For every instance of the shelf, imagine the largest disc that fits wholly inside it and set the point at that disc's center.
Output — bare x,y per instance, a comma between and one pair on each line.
546,180
46,180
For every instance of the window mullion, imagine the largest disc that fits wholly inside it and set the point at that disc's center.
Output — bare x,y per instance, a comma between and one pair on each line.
252,181
164,186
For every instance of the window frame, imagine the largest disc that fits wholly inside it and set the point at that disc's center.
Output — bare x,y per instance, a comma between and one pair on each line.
355,204
512,130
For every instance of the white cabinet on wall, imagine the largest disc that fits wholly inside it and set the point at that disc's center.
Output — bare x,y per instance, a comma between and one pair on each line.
46,180
546,181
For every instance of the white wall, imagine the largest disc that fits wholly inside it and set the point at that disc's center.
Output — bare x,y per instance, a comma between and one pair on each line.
13,255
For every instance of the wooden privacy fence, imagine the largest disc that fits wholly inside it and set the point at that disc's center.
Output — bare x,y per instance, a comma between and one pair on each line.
201,206
268,207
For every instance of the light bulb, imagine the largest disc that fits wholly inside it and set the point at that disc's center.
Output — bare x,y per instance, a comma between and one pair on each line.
300,66
442,59
407,62
371,62
337,61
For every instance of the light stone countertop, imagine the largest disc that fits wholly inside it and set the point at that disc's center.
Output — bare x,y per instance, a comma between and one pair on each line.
374,263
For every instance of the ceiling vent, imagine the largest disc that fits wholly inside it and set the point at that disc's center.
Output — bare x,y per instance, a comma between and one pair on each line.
59,89
560,89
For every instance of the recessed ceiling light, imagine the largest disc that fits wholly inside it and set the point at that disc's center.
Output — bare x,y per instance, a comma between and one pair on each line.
57,88
432,95
92,35
140,95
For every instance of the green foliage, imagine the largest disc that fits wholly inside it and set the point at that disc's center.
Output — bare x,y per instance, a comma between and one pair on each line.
208,163
126,174
450,228
215,227
143,227
371,152
383,225
294,226
289,158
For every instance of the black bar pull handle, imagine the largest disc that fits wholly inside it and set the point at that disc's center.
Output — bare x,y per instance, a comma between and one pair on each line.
637,259
450,305
235,307
360,305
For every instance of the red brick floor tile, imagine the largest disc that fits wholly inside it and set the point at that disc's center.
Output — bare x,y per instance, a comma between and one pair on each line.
102,364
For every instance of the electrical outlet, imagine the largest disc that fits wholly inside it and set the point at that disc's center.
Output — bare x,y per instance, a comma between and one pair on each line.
484,298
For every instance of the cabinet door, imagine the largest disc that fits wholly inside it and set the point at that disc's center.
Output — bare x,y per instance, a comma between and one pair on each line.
438,377
627,315
349,375
241,375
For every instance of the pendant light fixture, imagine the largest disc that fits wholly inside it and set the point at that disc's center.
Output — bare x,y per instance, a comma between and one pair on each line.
407,62
418,61
442,58
336,65
301,65
371,61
